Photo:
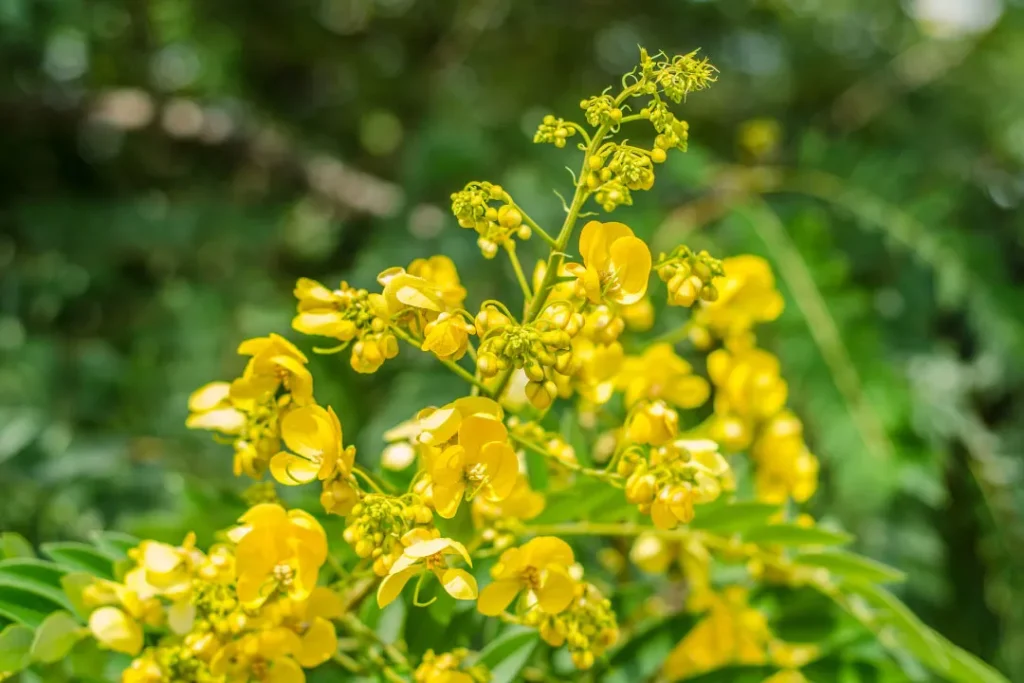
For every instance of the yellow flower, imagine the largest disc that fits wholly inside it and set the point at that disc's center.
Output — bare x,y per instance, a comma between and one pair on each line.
746,296
275,363
748,383
277,550
731,633
522,503
338,496
448,667
315,436
438,426
403,291
785,468
440,271
660,374
481,462
652,423
448,336
310,620
320,311
639,316
264,656
423,552
370,352
115,630
616,264
599,366
540,567
210,407
652,553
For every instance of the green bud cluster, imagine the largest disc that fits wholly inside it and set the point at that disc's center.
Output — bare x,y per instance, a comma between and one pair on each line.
588,627
376,526
474,207
689,275
554,131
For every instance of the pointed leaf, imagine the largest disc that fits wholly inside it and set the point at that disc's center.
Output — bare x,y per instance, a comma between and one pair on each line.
114,544
507,654
795,535
848,565
24,607
728,518
80,557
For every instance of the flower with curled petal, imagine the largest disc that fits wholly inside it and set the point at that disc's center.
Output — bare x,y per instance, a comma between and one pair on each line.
661,374
426,552
481,462
315,436
275,363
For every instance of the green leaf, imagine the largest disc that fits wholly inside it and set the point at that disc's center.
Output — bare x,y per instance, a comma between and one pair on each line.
795,535
569,428
114,544
642,656
15,645
55,637
889,610
537,470
849,565
507,654
24,607
735,674
732,517
34,584
15,545
80,557
74,584
966,668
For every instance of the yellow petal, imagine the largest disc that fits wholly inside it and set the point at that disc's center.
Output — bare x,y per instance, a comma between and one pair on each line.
180,617
311,431
459,584
285,670
477,430
439,426
595,239
291,470
688,391
478,405
447,499
497,596
324,323
428,548
556,591
631,260
323,602
115,630
392,584
209,396
226,420
318,643
447,468
503,468
545,550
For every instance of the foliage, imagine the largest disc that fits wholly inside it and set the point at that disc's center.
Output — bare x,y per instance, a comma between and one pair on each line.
136,252
714,487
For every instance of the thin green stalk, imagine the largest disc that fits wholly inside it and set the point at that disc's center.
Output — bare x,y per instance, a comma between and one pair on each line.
608,477
557,254
541,232
510,249
450,364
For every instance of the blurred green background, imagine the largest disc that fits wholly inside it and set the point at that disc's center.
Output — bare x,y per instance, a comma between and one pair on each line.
169,167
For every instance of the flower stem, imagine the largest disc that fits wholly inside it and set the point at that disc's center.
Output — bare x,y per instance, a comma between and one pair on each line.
510,248
368,479
536,228
608,477
557,254
450,364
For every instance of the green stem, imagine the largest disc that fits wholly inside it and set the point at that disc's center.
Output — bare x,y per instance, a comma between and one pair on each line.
368,479
558,248
510,248
358,628
533,225
607,477
450,364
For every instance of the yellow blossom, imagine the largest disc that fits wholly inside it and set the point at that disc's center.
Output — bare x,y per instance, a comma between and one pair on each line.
275,363
448,336
748,383
315,436
746,296
449,667
116,630
310,620
732,632
652,423
540,567
638,316
210,407
277,550
403,291
785,468
482,461
264,656
616,264
660,374
522,503
440,271
424,552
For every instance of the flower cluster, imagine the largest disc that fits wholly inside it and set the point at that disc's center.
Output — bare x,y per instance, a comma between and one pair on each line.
450,667
248,610
689,276
496,226
554,131
249,410
588,626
